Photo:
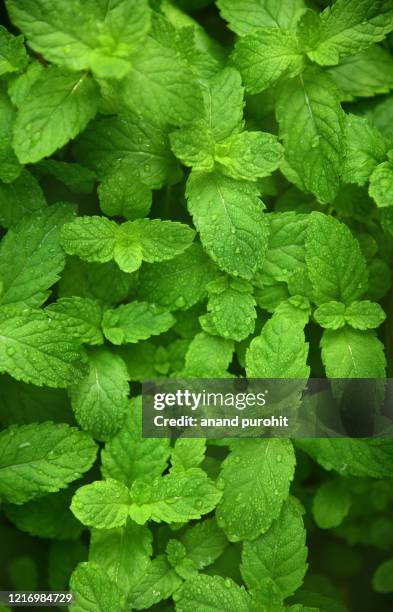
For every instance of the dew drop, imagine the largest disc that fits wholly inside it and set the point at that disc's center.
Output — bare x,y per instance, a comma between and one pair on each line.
315,141
24,445
180,302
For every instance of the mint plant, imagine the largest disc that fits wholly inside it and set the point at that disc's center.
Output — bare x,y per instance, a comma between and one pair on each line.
192,189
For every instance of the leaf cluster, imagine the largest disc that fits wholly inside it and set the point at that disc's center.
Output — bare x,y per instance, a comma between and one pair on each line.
192,189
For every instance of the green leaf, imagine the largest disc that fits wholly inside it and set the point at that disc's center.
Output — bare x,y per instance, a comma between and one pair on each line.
21,403
41,458
204,542
194,147
124,553
90,238
251,15
208,356
297,308
159,240
349,26
381,185
382,578
101,39
75,177
335,263
94,591
150,240
135,321
229,217
21,197
122,194
174,498
31,257
364,315
349,353
352,457
172,357
311,126
289,191
127,23
353,201
127,252
81,317
380,116
187,453
179,283
19,87
13,56
47,517
331,503
103,282
330,315
286,252
268,297
159,581
223,102
128,456
266,56
365,149
58,107
140,360
99,400
231,308
255,479
379,279
212,593
10,167
129,144
169,28
279,352
35,351
364,74
249,155
104,504
279,555
161,87
222,117
177,557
